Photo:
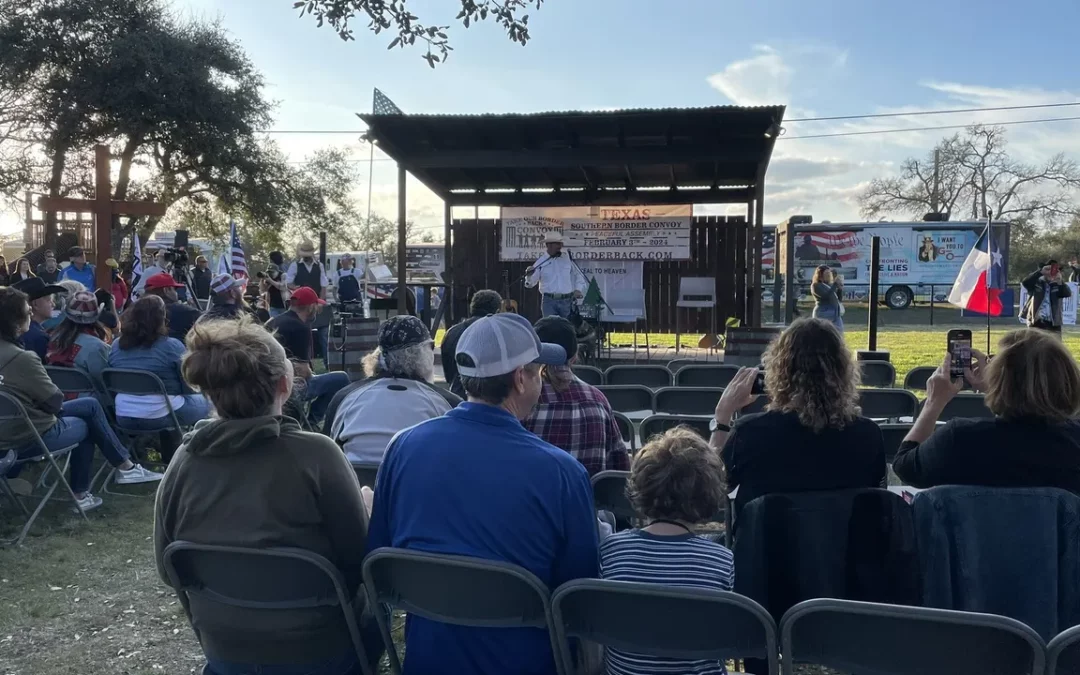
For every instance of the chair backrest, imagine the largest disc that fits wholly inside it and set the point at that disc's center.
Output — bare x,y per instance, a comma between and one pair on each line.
626,428
687,400
966,404
589,375
878,373
663,621
366,472
268,582
655,425
716,375
888,403
609,494
675,365
863,637
71,380
459,591
628,398
137,382
653,377
893,435
1063,654
916,377
11,410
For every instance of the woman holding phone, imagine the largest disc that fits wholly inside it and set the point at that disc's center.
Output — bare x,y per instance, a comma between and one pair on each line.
1046,289
827,292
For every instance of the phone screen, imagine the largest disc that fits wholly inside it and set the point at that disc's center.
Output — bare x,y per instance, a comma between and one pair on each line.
960,355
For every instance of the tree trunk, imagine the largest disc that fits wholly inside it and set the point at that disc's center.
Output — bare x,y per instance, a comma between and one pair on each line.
123,182
56,183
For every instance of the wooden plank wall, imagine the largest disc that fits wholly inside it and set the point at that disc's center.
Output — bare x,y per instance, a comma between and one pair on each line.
717,248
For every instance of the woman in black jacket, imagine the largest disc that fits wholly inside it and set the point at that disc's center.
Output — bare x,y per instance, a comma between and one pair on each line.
1046,289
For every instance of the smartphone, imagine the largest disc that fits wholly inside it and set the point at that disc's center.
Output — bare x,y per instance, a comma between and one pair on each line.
759,383
959,343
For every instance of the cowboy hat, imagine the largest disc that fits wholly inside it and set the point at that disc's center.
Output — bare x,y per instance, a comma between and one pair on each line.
35,288
305,248
553,238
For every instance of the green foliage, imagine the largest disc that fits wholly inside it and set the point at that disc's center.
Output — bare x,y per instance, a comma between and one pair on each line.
392,15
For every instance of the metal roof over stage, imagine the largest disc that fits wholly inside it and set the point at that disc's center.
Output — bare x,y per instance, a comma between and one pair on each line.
674,155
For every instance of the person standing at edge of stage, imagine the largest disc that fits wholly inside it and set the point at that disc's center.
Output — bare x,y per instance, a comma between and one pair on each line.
309,272
560,280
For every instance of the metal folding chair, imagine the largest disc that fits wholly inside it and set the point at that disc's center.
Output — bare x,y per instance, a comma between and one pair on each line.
626,428
589,375
687,400
675,365
663,621
888,404
266,581
366,472
459,591
72,380
705,375
609,494
12,411
878,373
1063,653
139,383
655,425
652,377
628,398
916,377
893,435
865,637
966,405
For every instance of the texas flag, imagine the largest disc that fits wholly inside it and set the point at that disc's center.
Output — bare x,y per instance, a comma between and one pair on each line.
978,286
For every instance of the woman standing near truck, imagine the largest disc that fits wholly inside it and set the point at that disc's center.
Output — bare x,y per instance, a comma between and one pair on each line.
827,293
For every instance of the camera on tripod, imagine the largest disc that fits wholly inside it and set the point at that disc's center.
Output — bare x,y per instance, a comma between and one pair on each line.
175,256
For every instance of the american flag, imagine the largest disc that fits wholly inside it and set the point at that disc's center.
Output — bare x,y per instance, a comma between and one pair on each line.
839,246
768,249
136,265
239,262
382,105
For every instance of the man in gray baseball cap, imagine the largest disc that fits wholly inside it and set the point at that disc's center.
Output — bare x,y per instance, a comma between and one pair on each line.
475,482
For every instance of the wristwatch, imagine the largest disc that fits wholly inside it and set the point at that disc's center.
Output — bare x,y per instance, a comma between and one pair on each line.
715,425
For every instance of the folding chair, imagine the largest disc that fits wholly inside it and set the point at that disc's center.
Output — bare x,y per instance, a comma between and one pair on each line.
864,637
269,582
878,373
628,398
966,405
652,377
459,591
675,365
626,428
71,380
655,425
1063,653
366,472
888,404
609,494
705,375
12,411
139,383
916,377
663,621
589,375
687,400
893,434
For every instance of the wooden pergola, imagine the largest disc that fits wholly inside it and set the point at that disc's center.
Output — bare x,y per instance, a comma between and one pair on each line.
716,155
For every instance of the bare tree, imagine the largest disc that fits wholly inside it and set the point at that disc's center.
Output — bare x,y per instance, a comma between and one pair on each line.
976,174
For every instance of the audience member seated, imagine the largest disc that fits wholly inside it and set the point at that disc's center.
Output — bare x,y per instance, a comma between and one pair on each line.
396,395
81,340
252,478
475,482
144,344
80,422
40,294
294,333
484,303
811,436
181,316
227,302
573,415
1032,386
677,481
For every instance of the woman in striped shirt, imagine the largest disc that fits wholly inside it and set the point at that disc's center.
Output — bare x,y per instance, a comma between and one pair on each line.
676,481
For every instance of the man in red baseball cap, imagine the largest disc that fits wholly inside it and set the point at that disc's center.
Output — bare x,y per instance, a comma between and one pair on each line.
293,330
181,316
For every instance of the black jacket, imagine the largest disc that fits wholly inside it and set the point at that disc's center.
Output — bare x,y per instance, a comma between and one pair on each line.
1036,289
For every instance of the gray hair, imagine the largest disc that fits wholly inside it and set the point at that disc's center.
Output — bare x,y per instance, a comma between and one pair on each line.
410,363
72,286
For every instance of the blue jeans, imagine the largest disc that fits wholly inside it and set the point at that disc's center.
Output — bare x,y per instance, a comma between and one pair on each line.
553,307
320,391
83,424
322,344
345,664
195,408
830,314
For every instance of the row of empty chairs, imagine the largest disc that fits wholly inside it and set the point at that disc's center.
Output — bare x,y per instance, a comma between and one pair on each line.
684,373
649,619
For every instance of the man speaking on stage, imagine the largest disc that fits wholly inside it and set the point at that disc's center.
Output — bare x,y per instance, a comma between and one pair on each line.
560,279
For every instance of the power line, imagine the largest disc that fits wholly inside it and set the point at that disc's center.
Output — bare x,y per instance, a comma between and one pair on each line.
937,128
932,112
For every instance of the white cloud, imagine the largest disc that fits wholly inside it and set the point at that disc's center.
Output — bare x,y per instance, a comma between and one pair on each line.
762,79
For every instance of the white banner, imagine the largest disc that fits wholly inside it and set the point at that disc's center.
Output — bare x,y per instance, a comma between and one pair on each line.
1068,306
599,232
621,285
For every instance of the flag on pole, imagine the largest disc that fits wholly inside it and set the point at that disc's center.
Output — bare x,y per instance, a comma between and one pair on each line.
223,265
238,265
136,265
981,280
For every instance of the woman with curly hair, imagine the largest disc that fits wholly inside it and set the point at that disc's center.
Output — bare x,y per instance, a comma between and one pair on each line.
811,435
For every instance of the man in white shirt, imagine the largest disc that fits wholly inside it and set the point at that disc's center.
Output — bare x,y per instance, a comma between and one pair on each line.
560,280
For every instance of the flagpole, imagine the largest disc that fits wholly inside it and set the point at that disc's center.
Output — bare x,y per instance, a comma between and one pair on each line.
989,274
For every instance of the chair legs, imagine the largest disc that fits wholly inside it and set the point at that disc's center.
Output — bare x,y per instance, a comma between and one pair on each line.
50,489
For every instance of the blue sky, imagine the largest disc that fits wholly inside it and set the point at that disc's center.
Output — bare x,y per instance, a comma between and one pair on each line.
830,57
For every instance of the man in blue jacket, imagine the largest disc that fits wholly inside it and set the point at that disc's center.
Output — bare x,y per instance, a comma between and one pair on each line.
475,482
79,270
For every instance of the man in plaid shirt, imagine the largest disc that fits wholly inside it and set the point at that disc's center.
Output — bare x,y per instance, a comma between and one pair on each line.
573,415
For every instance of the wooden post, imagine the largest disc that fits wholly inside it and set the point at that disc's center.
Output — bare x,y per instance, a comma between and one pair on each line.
402,288
759,235
448,292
